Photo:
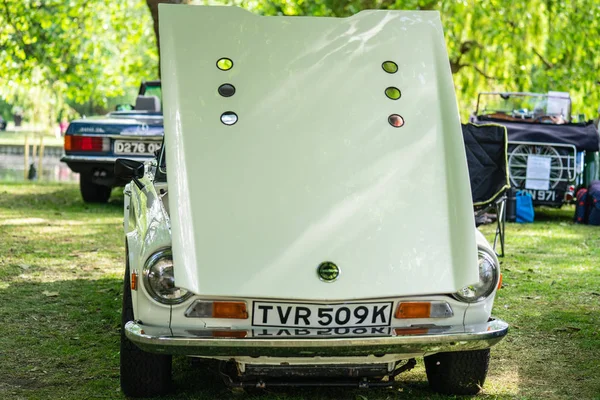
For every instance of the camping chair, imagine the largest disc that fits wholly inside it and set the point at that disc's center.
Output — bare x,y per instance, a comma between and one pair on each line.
486,148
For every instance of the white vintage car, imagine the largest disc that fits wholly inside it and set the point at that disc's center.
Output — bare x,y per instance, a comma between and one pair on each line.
317,226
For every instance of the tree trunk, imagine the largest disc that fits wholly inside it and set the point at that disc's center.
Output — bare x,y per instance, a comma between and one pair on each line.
153,6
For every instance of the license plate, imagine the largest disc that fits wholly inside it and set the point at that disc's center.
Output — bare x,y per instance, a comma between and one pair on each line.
140,148
309,315
322,332
542,195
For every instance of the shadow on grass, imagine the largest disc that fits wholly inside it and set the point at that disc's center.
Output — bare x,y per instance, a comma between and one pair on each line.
559,353
549,214
55,197
61,340
203,381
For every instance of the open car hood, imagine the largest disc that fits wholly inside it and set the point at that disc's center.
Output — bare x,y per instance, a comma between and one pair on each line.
312,171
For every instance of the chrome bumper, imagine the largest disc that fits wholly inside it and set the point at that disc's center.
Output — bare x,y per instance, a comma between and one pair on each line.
401,341
101,159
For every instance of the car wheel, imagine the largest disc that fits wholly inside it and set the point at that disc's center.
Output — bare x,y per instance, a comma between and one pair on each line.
92,192
461,372
142,374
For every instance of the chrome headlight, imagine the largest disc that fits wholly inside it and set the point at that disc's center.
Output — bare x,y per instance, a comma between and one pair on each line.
488,280
159,279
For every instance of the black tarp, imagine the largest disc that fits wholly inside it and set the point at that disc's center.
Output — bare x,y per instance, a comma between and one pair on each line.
485,146
582,136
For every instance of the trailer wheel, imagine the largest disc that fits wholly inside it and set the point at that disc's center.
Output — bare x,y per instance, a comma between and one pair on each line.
517,163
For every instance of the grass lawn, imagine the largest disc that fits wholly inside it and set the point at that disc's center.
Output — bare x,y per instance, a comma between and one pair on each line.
61,266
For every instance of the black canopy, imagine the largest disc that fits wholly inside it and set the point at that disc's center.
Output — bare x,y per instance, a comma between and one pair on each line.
485,146
582,136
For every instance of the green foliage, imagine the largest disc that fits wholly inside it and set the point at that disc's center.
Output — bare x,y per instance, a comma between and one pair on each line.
89,52
78,51
5,110
496,45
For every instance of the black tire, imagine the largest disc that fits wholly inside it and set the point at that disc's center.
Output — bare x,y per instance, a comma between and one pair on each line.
142,374
92,192
461,372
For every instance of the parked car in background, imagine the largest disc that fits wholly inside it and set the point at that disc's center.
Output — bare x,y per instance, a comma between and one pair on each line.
93,144
291,229
549,156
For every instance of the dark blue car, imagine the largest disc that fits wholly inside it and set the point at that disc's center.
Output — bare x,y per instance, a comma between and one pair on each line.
93,144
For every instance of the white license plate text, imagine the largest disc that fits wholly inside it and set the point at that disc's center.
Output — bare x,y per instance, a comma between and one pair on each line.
147,148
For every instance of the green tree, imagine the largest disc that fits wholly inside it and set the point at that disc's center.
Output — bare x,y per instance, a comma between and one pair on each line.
77,51
84,52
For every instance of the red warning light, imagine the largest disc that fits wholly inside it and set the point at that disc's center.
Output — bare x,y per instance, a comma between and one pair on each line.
396,120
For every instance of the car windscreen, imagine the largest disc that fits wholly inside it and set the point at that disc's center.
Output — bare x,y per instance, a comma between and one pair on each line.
523,105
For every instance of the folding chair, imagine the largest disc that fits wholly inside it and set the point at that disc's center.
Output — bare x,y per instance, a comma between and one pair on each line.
486,147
